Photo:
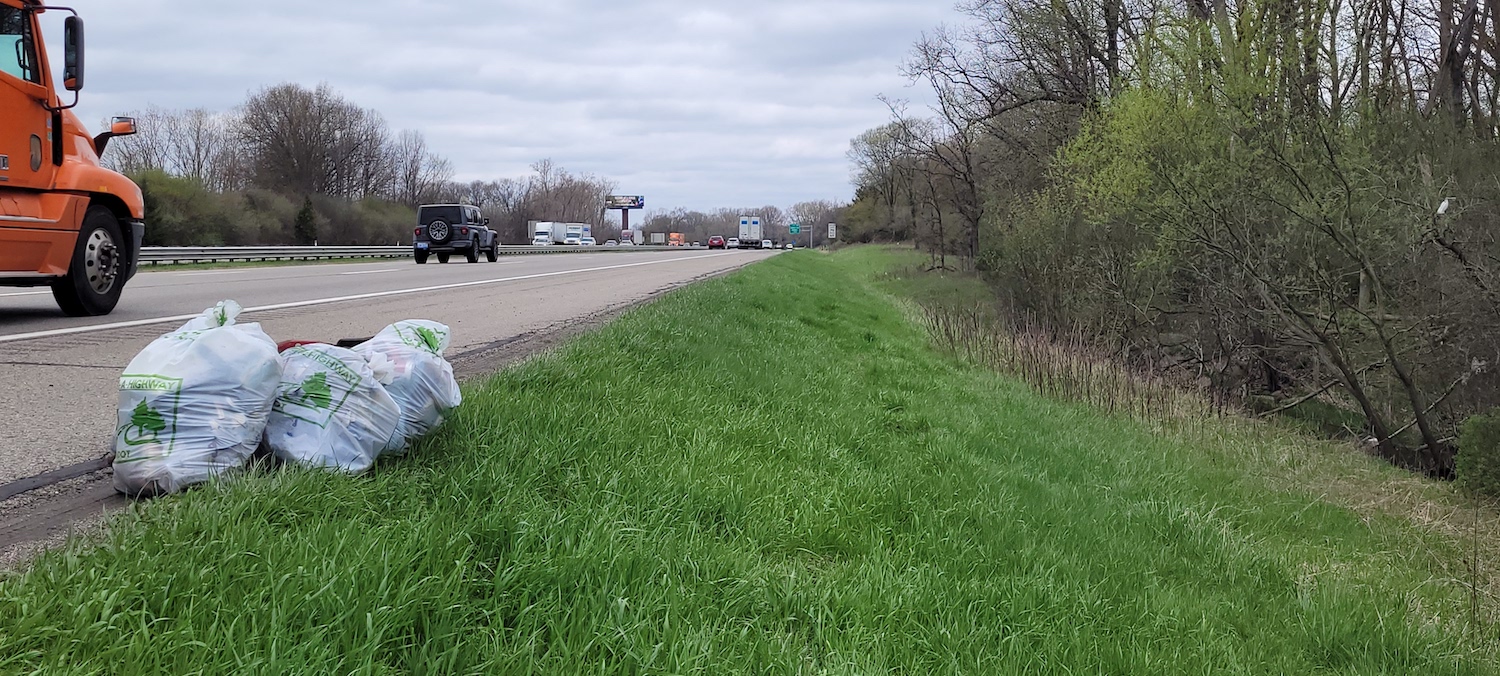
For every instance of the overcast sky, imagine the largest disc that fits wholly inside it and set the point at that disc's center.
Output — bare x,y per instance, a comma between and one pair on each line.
695,103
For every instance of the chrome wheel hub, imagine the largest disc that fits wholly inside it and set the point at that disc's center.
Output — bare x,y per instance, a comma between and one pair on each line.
101,261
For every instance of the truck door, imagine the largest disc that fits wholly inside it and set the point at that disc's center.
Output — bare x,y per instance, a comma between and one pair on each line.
25,123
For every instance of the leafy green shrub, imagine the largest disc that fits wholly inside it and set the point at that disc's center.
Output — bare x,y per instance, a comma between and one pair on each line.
1479,454
182,212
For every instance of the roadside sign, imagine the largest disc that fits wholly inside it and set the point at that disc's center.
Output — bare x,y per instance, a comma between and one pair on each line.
833,231
795,228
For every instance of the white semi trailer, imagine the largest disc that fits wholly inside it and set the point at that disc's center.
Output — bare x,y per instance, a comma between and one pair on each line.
548,232
750,232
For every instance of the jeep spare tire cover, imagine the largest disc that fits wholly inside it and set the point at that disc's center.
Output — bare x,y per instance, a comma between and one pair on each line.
439,231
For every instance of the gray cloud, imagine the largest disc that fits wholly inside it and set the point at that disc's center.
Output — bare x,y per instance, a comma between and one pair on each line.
693,103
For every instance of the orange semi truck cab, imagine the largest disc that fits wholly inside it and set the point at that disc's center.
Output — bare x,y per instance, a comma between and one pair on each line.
65,221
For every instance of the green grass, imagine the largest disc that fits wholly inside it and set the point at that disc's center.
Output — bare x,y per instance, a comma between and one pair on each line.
768,472
904,272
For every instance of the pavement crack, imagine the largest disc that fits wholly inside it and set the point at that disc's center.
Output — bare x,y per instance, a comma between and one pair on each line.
47,363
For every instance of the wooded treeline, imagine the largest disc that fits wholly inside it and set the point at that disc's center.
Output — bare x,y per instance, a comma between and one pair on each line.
1289,201
243,177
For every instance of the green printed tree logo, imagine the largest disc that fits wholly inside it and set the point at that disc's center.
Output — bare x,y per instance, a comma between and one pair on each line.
315,392
146,426
430,338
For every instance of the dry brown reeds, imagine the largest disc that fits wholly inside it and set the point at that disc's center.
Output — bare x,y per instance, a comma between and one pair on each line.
1066,365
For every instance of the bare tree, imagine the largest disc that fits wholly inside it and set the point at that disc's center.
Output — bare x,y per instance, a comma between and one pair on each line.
419,173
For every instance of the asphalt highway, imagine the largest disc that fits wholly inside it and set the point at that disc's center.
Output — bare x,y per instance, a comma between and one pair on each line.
59,375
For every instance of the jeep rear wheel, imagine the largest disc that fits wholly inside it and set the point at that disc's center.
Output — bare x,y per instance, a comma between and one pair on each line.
472,254
421,257
94,280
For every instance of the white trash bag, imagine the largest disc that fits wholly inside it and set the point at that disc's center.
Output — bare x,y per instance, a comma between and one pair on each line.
408,358
193,404
330,411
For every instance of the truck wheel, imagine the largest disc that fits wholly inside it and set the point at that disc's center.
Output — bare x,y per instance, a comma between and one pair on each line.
443,257
421,257
93,283
472,254
493,252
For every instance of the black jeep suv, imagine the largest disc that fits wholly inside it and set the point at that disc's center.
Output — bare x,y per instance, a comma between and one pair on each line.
446,229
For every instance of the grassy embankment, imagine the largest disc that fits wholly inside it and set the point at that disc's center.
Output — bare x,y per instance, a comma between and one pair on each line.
775,471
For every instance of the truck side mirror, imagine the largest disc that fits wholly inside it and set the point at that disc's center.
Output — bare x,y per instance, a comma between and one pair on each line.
120,126
73,53
486,222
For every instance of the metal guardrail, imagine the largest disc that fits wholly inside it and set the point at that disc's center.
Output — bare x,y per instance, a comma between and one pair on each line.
154,255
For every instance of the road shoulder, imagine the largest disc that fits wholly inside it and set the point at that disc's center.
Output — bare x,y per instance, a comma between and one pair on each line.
46,517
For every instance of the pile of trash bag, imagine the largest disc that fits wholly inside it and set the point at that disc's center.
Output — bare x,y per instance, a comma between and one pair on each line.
410,356
193,404
330,411
198,402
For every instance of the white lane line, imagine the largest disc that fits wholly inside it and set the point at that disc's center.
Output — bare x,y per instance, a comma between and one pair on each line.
370,272
338,299
24,293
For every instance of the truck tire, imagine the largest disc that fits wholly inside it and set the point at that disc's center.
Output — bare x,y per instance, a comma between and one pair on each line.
493,253
442,257
421,257
472,254
93,283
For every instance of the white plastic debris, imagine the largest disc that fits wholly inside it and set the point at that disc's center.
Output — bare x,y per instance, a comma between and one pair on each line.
330,410
193,404
408,358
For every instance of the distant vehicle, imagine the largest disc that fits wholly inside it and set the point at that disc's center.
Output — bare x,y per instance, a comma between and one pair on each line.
676,239
733,243
658,238
766,244
791,245
626,242
716,242
588,241
66,221
573,233
549,232
750,231
697,244
610,242
446,229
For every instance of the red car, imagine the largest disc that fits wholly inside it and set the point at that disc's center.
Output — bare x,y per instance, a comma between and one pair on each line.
716,242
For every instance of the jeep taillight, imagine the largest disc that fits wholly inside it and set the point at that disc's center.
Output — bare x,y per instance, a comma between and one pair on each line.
463,231
418,231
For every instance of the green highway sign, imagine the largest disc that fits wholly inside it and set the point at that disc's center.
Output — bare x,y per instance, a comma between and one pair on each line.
795,229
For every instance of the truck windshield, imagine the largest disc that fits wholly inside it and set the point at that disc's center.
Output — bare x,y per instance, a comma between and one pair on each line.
17,48
449,215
